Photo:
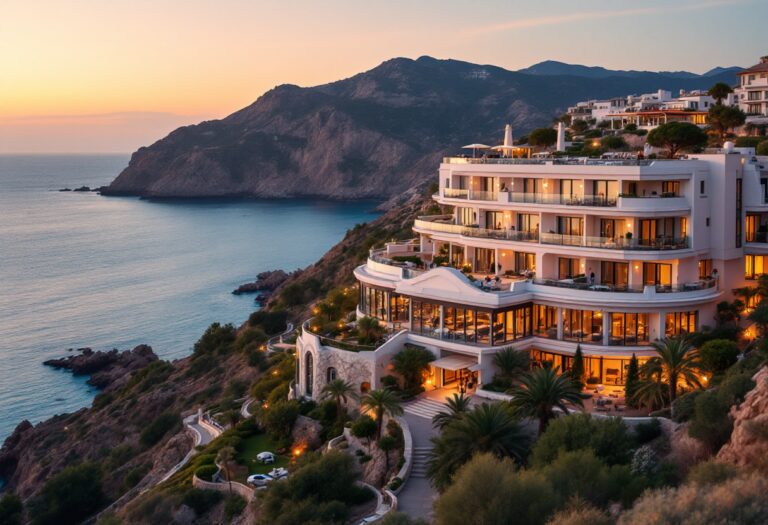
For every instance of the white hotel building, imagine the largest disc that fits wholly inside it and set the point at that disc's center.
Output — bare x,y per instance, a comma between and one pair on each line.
608,255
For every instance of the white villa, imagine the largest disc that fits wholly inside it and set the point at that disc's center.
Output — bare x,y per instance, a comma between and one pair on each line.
546,254
752,91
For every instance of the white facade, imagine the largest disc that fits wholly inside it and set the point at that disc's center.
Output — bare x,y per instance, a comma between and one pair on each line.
609,256
752,91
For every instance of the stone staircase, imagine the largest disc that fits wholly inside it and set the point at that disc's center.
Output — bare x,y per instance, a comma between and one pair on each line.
419,462
423,407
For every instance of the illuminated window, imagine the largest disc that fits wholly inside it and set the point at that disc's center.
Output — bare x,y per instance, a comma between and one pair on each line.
754,266
680,323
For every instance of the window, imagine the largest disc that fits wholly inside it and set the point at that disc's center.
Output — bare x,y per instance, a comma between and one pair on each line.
606,189
570,225
467,216
426,318
494,220
764,189
670,188
330,374
525,261
705,268
653,231
528,222
683,227
545,321
485,260
567,268
754,266
614,273
680,323
567,190
702,188
447,183
658,274
629,329
373,302
608,228
398,308
583,325
308,373
738,212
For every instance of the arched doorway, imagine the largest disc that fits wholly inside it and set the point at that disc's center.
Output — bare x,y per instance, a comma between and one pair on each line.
308,373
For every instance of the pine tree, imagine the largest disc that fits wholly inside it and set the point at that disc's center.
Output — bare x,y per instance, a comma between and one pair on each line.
577,368
633,380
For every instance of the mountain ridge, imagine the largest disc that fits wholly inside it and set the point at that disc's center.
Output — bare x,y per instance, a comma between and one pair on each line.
374,135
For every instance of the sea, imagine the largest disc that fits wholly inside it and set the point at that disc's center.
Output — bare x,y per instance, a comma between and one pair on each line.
81,270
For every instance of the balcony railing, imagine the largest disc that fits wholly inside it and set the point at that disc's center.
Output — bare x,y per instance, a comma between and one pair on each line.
615,243
556,198
571,284
583,161
454,193
758,237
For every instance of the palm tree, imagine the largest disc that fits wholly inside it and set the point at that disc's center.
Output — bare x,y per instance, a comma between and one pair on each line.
651,392
224,459
458,405
339,391
543,390
382,402
677,361
759,316
746,293
511,363
487,428
368,330
720,91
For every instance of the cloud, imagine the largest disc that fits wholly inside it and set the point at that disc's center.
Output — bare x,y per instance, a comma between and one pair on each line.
526,23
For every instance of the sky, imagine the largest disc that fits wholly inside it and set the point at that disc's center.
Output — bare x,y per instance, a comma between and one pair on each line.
110,76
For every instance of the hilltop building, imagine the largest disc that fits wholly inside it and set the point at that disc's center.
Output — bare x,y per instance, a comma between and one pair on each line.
546,255
752,91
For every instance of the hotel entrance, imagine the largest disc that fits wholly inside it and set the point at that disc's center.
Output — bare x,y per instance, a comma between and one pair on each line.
455,372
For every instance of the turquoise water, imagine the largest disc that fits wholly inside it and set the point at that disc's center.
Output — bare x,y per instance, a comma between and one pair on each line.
79,269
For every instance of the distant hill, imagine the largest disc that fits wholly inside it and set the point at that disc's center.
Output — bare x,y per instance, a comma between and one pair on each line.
377,134
553,67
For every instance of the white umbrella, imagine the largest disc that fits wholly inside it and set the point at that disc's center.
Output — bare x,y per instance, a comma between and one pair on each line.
475,147
560,137
508,135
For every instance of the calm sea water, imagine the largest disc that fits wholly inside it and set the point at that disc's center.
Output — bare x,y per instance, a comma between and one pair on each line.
78,269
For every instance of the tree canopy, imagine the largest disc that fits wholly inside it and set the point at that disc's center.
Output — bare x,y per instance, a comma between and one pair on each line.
543,137
676,136
724,118
719,91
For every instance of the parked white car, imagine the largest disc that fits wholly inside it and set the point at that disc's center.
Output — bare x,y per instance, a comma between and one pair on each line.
278,473
266,458
259,480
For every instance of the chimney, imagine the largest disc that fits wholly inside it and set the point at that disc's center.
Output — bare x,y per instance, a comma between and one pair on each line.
764,60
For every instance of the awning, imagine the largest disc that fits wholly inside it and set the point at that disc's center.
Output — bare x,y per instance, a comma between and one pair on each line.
456,362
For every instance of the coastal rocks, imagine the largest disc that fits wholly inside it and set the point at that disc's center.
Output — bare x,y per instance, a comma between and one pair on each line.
105,368
748,446
80,189
265,282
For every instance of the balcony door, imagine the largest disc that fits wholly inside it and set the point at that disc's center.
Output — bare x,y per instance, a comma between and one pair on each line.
658,274
614,273
567,268
570,225
494,220
567,190
652,230
608,228
528,222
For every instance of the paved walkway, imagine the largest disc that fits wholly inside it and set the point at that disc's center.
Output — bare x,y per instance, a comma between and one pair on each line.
417,495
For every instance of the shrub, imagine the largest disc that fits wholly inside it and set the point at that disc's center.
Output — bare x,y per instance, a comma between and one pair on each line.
11,510
411,362
613,142
206,472
400,518
489,490
158,428
233,506
684,405
711,472
718,354
609,439
119,456
762,148
734,388
270,322
645,432
710,423
68,497
396,483
581,514
135,475
644,461
201,501
364,427
279,418
739,500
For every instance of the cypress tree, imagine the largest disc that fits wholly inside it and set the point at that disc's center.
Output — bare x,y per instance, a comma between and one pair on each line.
577,368
633,380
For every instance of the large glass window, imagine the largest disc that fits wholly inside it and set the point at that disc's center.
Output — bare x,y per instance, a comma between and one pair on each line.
570,225
705,268
680,323
629,329
567,268
605,189
545,321
373,302
658,274
583,325
426,318
494,220
485,260
670,188
614,273
398,308
527,222
754,266
525,261
738,212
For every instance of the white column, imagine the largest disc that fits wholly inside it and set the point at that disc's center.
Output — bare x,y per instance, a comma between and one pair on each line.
496,260
440,328
559,318
606,328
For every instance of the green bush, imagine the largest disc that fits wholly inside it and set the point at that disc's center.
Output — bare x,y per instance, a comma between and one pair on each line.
251,337
395,484
718,354
710,423
747,142
613,142
647,431
735,388
68,497
135,475
711,472
364,427
158,428
762,148
201,501
609,439
683,407
206,472
279,418
119,456
411,363
271,322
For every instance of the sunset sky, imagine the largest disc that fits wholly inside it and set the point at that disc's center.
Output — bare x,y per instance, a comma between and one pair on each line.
94,76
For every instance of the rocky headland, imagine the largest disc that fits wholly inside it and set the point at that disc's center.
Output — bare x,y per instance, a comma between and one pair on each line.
112,368
265,283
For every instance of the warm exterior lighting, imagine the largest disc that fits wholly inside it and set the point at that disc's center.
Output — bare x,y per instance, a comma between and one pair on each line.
599,315
595,143
275,372
546,185
315,310
298,451
637,267
503,254
265,405
629,224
